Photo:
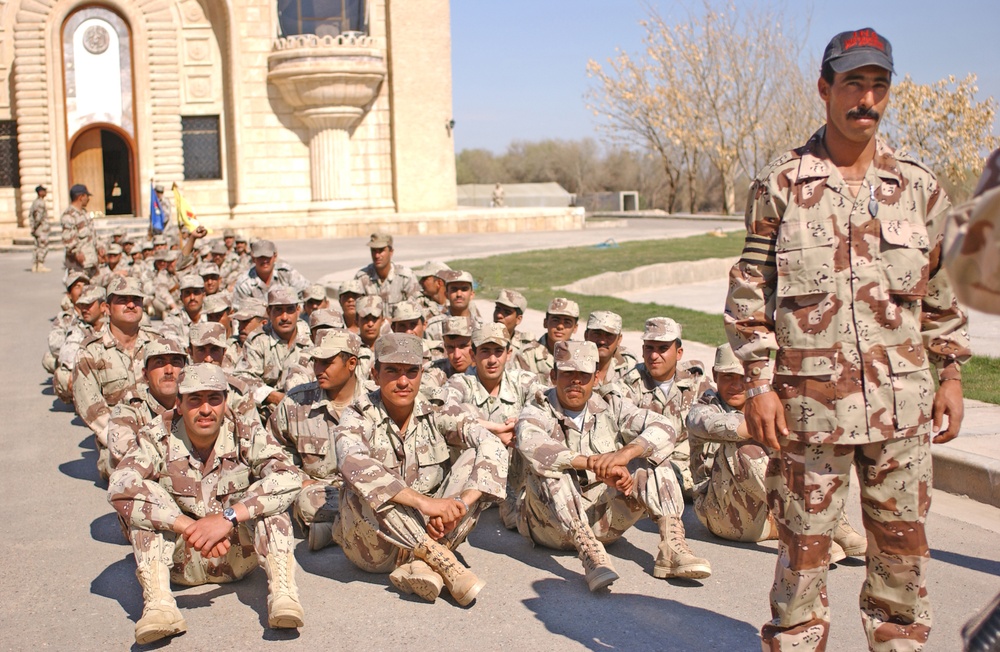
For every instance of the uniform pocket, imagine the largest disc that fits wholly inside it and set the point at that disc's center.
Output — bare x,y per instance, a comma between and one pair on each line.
904,260
806,382
432,451
804,258
233,482
912,385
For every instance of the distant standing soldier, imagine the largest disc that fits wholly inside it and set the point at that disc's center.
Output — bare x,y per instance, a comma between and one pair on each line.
39,216
497,200
78,233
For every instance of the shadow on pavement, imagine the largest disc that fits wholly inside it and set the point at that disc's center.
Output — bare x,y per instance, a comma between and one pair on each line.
117,582
107,529
988,566
331,563
84,468
630,621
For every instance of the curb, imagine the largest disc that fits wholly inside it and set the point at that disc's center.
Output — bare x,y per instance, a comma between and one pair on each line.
966,474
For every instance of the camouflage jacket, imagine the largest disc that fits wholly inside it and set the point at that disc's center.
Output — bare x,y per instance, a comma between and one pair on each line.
712,427
161,477
850,293
179,323
61,325
267,358
399,285
135,411
466,392
77,334
249,284
640,388
166,290
39,217
549,440
378,461
78,236
535,357
304,423
430,308
622,363
104,373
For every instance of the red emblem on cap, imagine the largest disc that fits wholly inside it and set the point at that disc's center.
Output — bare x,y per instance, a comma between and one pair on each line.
864,38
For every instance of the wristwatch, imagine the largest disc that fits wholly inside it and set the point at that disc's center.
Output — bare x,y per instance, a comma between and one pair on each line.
757,391
230,515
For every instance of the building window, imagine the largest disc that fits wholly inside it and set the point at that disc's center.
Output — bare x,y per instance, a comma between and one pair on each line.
321,17
202,158
10,176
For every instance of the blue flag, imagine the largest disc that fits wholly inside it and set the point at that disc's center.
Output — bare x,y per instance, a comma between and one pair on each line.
155,210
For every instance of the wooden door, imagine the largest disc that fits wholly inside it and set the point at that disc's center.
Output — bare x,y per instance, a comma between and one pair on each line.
87,167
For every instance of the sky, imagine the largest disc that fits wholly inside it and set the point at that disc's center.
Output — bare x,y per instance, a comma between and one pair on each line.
519,66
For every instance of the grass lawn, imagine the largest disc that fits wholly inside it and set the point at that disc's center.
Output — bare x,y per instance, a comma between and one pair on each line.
535,273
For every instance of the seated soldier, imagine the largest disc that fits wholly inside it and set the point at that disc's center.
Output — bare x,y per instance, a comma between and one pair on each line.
192,289
583,488
433,300
457,354
304,423
313,298
92,308
495,395
207,345
371,320
350,292
384,278
64,319
251,315
509,310
402,493
604,329
729,468
460,289
561,321
407,317
201,518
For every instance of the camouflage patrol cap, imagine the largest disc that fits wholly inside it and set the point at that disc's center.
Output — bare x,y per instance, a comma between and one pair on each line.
401,348
370,305
228,233
159,240
165,254
192,282
125,286
430,268
512,299
114,249
201,378
561,306
262,248
457,327
325,318
90,294
726,361
334,342
576,356
72,278
450,276
162,346
146,245
406,311
352,286
219,247
314,292
119,232
605,320
282,295
215,303
250,308
379,240
209,269
863,47
493,332
241,238
661,329
205,333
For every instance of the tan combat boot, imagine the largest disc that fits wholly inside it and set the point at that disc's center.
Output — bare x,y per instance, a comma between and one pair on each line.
34,267
598,570
42,268
462,583
836,552
283,608
674,558
853,542
320,535
160,616
419,578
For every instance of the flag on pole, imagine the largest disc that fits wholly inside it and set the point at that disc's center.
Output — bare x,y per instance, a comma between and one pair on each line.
155,211
185,214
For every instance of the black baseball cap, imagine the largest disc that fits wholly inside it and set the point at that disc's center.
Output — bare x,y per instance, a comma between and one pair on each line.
39,188
77,190
862,47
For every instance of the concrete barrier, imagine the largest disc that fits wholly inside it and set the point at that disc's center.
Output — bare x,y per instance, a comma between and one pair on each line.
967,474
652,276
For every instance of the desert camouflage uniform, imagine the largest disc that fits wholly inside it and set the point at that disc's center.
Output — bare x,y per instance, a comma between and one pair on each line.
728,471
377,462
557,498
517,389
400,284
689,383
622,363
77,334
166,292
845,290
162,478
134,412
39,221
179,324
537,359
78,236
249,284
518,343
304,423
430,308
61,324
267,358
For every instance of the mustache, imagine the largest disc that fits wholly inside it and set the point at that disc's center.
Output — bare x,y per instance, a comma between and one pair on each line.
864,113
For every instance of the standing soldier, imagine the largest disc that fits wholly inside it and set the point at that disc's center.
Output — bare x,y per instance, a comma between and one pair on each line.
78,233
839,274
39,216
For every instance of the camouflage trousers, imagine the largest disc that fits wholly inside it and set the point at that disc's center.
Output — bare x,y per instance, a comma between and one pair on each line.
317,503
680,459
41,247
378,541
552,507
732,502
807,486
251,543
515,490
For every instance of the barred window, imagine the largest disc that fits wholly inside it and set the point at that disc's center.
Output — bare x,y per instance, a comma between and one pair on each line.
10,176
321,17
202,158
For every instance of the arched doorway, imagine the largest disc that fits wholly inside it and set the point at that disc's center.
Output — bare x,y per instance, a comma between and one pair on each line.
101,158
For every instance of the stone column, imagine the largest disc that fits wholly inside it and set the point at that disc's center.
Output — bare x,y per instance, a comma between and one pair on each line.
330,150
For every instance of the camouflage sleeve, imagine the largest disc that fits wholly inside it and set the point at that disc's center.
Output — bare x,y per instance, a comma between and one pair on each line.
284,433
943,323
297,280
123,426
70,236
57,337
541,444
87,396
295,374
711,423
645,428
412,288
750,304
134,492
279,480
251,368
489,469
371,479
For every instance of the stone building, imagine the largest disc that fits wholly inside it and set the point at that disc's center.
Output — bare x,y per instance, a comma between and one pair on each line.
288,118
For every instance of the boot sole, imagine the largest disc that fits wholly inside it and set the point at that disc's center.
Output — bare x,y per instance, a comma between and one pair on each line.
692,572
152,633
466,598
604,580
285,621
423,588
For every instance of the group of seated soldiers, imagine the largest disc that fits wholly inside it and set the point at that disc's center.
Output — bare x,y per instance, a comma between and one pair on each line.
387,415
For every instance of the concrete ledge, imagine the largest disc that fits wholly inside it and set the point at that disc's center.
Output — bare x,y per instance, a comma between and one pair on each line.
967,474
652,276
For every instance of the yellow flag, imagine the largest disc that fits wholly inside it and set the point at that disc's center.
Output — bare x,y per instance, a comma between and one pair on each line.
185,214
